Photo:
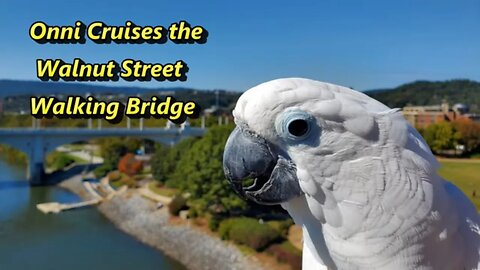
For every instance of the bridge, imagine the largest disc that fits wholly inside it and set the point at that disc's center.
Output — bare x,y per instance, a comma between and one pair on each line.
36,142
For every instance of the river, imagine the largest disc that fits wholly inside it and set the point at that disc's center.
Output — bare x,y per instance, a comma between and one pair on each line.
79,239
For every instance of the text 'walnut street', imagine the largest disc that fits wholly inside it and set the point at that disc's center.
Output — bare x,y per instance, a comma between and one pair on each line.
129,70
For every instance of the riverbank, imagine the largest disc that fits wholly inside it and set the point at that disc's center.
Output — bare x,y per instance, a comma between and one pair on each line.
139,217
75,240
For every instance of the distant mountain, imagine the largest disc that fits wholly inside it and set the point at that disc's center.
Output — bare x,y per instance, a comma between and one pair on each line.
430,93
415,93
16,94
16,88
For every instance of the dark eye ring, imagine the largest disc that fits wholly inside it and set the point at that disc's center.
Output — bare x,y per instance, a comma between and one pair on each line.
298,127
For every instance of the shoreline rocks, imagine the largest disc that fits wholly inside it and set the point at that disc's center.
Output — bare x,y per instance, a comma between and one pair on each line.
194,249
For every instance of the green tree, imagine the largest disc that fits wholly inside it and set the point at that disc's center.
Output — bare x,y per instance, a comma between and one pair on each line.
165,159
200,173
441,136
112,149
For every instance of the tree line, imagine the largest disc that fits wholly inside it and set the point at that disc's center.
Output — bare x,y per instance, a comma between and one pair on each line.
459,137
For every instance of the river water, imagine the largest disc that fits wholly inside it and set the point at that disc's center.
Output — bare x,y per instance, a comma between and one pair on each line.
79,239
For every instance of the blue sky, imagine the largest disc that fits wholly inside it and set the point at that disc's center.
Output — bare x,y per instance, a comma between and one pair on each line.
361,44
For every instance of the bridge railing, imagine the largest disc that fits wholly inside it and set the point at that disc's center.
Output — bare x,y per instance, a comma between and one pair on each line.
22,121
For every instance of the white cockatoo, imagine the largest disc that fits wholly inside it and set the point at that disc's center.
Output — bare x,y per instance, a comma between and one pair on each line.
359,180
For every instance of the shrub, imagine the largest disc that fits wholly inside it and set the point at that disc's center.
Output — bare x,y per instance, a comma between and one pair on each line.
224,228
118,179
249,232
214,222
114,176
13,156
193,213
281,226
287,253
177,204
102,170
129,165
195,210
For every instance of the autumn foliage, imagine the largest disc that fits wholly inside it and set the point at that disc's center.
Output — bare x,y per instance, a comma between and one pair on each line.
129,165
447,135
470,133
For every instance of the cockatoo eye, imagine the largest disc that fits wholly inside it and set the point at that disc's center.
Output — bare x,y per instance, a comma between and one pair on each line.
298,127
294,125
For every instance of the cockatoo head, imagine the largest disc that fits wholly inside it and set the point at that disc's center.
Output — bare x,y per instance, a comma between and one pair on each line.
290,131
352,172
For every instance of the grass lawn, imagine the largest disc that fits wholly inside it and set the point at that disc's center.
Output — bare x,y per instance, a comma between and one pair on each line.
164,191
75,147
465,175
77,160
116,184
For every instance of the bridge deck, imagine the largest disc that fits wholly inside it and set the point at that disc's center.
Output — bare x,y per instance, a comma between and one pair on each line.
110,131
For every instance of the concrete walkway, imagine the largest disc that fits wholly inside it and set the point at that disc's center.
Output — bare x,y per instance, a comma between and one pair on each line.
55,207
147,193
91,191
81,154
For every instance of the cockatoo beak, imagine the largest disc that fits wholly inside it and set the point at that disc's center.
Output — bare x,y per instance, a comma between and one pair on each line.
248,155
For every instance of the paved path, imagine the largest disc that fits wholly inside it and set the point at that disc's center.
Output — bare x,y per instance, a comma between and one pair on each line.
82,154
147,193
55,207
